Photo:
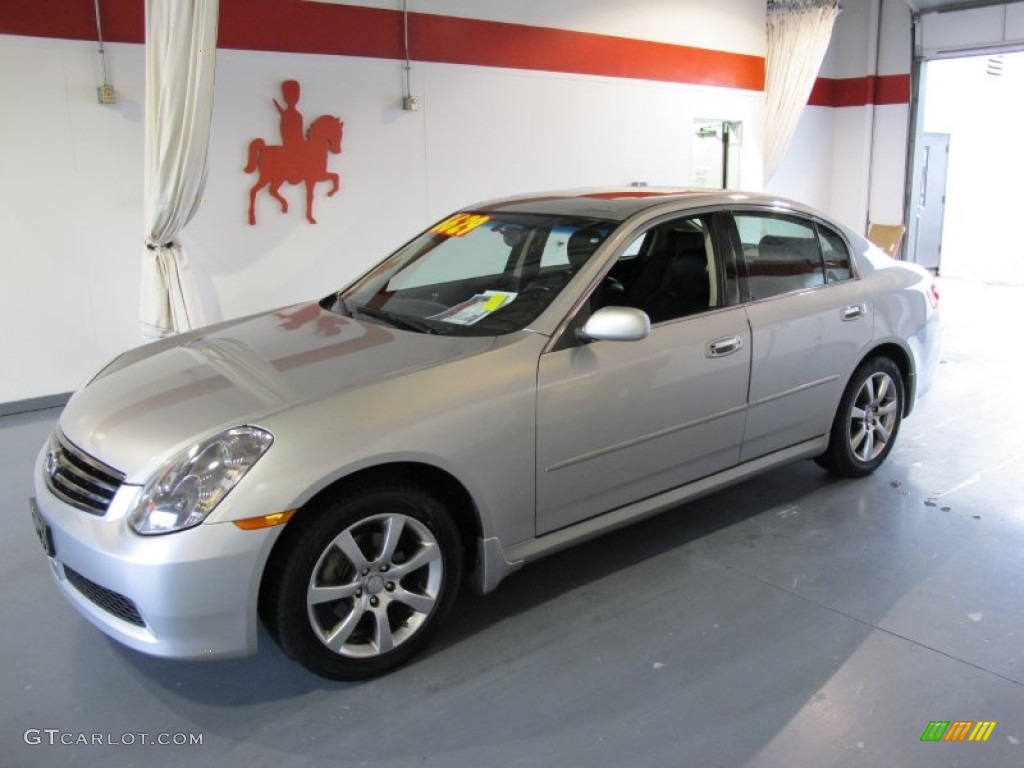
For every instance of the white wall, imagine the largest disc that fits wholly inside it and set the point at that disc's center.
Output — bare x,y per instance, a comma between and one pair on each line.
70,213
890,122
479,133
805,171
71,186
864,177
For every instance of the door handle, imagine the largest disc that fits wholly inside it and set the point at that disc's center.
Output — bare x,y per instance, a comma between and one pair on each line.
723,347
853,311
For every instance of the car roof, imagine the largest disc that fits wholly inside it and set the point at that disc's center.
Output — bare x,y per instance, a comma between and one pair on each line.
619,203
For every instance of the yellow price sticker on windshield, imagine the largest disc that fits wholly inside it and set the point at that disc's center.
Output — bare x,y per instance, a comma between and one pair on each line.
460,224
495,302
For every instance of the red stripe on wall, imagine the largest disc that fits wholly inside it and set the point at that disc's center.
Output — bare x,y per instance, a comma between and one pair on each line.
892,89
123,20
497,44
348,30
299,27
860,91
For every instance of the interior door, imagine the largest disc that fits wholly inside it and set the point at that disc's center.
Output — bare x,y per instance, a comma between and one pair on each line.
929,204
715,154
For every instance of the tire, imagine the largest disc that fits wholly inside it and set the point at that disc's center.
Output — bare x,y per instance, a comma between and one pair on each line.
356,588
867,420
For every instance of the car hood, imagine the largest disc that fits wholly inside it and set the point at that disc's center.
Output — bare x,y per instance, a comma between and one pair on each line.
163,397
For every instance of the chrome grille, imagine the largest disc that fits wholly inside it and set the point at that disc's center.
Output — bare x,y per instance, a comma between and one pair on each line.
107,599
77,478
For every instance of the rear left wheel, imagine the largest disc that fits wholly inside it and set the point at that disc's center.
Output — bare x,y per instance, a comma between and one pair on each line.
358,588
867,421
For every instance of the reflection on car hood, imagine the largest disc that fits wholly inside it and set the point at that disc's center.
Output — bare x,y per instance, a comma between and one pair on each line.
237,374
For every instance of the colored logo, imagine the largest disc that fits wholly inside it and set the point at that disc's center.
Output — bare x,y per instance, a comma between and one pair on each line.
958,730
300,158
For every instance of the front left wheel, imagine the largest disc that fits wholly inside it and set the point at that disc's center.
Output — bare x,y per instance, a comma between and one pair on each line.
356,588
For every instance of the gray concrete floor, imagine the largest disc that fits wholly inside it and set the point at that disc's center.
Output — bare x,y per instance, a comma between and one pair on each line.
795,620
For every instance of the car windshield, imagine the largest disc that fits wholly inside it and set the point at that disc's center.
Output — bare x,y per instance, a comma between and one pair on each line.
477,274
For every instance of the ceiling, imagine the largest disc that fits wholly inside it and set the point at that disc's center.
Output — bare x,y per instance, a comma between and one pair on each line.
927,6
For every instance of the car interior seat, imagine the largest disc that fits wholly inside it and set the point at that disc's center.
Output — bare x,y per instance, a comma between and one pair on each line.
685,285
785,264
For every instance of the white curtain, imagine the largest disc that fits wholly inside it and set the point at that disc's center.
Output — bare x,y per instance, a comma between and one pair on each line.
798,36
181,41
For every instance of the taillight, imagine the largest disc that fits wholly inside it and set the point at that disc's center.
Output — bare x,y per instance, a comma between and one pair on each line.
933,295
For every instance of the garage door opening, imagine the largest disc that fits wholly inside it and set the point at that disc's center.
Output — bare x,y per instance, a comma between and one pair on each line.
964,211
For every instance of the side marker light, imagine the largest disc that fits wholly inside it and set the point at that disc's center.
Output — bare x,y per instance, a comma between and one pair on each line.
265,521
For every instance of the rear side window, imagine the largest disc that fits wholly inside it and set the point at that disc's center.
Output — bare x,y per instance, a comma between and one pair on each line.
837,257
781,254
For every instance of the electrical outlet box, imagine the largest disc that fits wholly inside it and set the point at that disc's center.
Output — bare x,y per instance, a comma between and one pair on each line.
411,103
106,95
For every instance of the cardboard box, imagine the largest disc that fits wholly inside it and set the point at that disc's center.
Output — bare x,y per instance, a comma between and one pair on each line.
888,237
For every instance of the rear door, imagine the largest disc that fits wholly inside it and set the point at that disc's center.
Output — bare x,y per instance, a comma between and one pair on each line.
810,318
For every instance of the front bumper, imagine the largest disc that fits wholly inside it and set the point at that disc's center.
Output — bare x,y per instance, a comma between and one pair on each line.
188,595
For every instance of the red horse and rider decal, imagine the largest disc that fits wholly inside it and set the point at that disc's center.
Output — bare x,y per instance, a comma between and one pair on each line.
299,158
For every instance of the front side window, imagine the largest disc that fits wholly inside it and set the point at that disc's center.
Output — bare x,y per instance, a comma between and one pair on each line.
668,271
477,274
781,254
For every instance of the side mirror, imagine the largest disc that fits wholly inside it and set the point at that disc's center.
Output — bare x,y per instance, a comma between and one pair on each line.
616,324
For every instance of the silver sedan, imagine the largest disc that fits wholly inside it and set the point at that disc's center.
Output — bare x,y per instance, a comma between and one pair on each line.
525,374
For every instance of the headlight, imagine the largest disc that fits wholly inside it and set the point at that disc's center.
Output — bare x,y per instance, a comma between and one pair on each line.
188,487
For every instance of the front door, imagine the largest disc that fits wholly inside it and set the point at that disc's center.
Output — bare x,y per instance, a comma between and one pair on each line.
621,421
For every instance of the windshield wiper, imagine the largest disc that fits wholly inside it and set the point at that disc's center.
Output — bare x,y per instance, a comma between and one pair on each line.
398,321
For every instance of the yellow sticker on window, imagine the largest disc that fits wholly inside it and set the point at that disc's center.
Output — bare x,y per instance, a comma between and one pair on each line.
495,302
460,224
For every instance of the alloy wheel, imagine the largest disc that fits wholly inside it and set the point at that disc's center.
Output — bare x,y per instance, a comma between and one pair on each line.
873,416
375,585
